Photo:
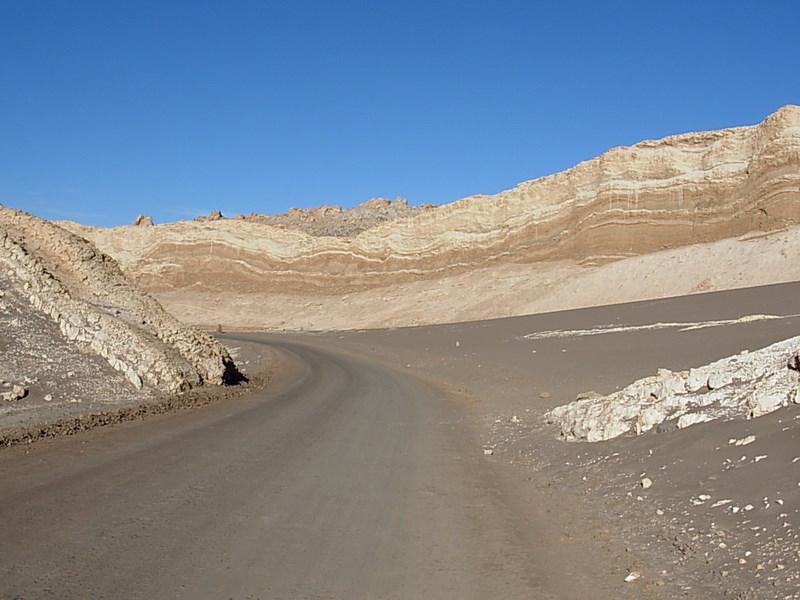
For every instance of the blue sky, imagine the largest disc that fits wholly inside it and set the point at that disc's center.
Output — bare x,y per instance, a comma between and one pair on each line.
174,109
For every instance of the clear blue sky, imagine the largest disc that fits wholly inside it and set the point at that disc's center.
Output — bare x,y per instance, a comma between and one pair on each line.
173,109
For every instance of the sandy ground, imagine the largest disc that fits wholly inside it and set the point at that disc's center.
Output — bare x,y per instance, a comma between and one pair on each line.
722,515
721,519
344,479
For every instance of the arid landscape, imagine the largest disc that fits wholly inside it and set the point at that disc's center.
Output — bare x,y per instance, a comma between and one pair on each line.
586,386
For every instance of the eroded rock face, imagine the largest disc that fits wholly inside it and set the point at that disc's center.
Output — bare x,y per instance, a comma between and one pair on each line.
84,291
214,215
683,189
333,221
143,221
747,385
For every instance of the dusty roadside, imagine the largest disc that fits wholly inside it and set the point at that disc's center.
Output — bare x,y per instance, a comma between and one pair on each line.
707,512
33,418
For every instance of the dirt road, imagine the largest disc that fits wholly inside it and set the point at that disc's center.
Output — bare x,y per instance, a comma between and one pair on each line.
344,480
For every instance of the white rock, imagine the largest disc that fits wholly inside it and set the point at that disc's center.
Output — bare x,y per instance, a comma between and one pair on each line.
744,441
646,482
632,576
692,419
718,379
745,385
696,380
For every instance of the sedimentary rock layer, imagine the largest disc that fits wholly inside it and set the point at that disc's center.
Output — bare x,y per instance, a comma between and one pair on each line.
85,292
683,189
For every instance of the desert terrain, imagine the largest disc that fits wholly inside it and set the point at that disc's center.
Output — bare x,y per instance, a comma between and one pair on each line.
583,387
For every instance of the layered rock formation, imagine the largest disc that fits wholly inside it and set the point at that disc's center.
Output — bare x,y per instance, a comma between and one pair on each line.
332,220
685,189
748,385
86,294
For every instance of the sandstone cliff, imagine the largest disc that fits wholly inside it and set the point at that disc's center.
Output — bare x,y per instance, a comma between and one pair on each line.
86,294
682,190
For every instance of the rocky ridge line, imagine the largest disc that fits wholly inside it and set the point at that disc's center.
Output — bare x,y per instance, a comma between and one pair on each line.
332,220
684,189
748,385
85,292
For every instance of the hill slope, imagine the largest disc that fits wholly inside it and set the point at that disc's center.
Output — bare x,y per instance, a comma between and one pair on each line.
65,280
684,190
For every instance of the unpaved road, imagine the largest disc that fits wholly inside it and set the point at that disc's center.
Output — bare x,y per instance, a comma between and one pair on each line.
343,480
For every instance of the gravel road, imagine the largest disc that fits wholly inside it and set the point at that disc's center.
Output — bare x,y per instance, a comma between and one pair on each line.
343,480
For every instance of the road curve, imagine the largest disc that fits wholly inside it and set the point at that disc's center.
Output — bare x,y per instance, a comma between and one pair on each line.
346,480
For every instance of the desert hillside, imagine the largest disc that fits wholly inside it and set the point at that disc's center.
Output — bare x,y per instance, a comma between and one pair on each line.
691,212
74,330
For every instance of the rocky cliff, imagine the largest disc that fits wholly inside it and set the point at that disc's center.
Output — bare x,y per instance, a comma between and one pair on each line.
84,291
655,195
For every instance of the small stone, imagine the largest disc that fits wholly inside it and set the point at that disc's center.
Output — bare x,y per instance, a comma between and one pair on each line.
48,398
665,427
743,441
632,576
646,482
488,451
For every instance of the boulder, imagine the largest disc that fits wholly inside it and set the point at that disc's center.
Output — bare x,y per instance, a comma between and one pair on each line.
748,385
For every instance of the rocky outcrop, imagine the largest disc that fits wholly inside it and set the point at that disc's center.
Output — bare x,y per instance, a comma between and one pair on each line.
84,291
683,189
214,215
748,385
334,221
143,221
